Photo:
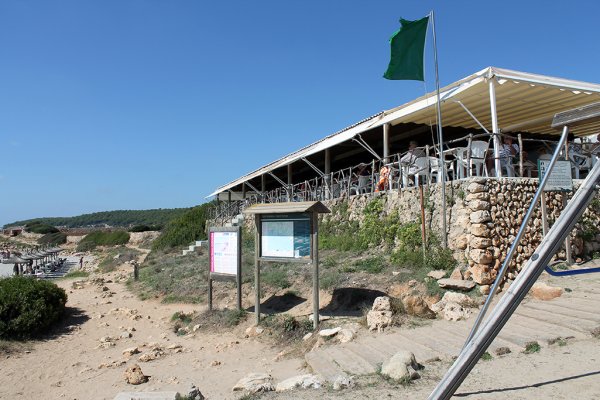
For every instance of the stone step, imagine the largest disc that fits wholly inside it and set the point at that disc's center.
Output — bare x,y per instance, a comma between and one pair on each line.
148,396
564,321
552,312
322,364
350,362
545,329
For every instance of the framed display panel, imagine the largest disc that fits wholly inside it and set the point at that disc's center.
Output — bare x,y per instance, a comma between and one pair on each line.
225,258
560,179
286,237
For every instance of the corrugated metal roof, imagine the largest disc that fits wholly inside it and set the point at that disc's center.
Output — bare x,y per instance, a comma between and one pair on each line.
288,208
525,102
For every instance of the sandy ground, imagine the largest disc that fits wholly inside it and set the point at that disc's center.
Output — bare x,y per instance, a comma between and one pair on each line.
74,364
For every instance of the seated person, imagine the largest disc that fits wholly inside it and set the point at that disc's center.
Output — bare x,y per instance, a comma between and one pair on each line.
412,154
384,176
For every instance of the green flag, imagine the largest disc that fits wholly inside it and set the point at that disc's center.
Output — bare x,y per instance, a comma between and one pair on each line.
408,45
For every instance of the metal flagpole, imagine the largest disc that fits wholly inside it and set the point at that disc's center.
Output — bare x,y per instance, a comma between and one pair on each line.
442,166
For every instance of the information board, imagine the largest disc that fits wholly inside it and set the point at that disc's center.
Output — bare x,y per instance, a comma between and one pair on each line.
560,179
285,236
224,252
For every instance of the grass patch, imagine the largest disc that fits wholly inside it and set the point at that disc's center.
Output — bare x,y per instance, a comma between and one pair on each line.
53,239
115,257
173,277
184,229
532,347
102,238
217,320
329,279
486,356
371,265
76,274
287,329
275,276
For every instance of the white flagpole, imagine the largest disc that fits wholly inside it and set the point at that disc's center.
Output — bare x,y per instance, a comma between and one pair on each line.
442,166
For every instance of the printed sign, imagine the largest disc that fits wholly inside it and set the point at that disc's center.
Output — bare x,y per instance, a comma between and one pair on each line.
285,236
560,179
224,252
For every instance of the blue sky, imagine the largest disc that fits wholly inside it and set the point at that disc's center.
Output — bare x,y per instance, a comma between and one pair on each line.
153,104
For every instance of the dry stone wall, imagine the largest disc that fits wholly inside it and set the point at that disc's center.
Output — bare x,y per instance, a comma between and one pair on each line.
484,216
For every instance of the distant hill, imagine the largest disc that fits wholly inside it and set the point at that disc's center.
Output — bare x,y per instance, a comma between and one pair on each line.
117,218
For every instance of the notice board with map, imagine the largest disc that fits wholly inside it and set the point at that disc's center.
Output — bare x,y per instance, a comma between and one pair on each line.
286,236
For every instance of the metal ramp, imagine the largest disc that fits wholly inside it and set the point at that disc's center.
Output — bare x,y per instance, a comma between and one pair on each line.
480,340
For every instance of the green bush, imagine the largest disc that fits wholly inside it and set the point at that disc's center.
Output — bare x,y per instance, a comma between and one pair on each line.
40,227
101,238
29,307
184,230
145,228
53,239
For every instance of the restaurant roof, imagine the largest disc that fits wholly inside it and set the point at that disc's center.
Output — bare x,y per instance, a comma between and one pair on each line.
525,102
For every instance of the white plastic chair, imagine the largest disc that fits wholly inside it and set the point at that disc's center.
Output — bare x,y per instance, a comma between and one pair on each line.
434,169
362,185
478,151
420,168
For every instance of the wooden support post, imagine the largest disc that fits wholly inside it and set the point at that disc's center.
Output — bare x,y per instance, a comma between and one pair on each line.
257,269
263,187
520,155
314,249
243,191
386,143
210,305
327,177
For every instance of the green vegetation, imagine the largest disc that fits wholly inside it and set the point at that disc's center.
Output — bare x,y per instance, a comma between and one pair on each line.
53,239
275,276
40,227
115,257
217,319
145,228
101,238
76,274
486,356
174,278
287,329
532,347
184,229
28,307
121,218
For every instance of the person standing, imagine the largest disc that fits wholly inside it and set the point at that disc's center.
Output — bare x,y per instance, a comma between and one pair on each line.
81,263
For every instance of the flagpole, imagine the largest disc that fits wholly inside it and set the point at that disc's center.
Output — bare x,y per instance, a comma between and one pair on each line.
442,166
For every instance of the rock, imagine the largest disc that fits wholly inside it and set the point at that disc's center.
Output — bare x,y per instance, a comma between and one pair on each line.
461,242
482,274
542,291
479,217
345,335
480,243
397,367
307,381
131,351
378,320
478,196
459,298
382,304
481,256
196,327
456,284
307,336
500,351
174,346
134,375
322,318
479,205
254,330
484,289
480,230
475,187
329,332
255,383
437,274
417,306
454,312
456,274
125,335
342,382
194,393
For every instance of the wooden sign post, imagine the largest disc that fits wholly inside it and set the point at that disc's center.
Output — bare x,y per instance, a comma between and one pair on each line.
225,259
287,233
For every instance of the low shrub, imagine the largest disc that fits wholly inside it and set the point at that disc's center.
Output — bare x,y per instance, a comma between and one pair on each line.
183,230
41,228
144,228
101,238
53,239
276,277
28,307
